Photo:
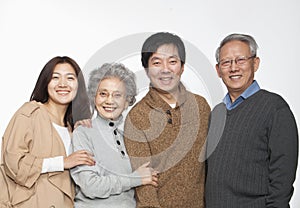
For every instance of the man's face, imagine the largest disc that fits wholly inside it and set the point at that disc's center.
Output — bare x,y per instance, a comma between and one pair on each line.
236,77
165,69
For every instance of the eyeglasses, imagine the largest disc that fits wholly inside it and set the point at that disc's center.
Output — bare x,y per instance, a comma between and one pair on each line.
241,60
115,95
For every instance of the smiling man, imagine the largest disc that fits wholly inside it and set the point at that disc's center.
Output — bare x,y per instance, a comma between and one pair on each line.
255,161
168,128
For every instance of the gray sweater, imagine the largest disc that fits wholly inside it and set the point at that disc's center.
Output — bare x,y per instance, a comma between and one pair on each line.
109,183
254,164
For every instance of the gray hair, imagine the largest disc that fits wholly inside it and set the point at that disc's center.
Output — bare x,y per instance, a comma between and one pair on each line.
109,70
249,40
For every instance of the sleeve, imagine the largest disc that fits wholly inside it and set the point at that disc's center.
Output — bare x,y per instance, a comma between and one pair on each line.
20,165
95,181
139,152
283,153
53,164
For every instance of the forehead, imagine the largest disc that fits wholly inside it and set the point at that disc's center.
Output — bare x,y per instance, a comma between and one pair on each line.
112,84
235,47
166,50
64,68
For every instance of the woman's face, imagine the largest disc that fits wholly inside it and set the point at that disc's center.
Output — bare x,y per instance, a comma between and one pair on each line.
110,99
63,85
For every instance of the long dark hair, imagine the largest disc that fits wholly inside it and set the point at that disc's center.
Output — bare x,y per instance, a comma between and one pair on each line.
79,108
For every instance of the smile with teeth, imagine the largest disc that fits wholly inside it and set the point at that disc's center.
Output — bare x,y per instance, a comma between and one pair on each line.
109,109
235,76
165,78
62,92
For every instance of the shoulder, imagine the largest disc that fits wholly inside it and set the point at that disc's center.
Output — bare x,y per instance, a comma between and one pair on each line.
201,101
81,135
273,99
137,116
28,108
140,108
82,130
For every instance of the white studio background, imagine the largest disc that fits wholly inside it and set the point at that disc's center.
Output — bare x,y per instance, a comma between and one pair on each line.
32,32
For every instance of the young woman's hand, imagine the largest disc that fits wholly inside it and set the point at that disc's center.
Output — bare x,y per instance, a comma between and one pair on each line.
148,174
85,122
81,157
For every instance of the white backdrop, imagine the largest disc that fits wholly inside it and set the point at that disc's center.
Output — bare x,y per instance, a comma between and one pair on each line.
32,32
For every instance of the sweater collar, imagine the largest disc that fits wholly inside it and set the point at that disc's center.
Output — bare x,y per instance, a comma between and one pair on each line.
110,123
157,102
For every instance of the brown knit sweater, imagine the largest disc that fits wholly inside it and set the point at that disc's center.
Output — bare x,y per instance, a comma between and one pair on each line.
172,139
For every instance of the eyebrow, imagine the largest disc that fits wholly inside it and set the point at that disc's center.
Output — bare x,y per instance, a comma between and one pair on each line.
71,73
172,56
105,90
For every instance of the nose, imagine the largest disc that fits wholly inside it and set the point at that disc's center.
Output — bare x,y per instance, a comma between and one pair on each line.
62,82
109,99
165,67
233,66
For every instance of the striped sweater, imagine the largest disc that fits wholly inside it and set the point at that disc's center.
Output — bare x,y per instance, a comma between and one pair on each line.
254,164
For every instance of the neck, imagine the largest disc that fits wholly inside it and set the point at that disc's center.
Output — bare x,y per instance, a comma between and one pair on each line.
56,112
233,96
168,97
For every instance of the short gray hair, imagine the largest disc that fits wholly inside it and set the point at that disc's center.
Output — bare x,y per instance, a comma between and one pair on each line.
109,70
249,40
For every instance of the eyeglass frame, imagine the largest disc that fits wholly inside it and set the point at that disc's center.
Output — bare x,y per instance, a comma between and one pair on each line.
236,61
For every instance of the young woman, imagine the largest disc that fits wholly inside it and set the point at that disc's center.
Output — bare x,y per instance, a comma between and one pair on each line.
111,181
36,154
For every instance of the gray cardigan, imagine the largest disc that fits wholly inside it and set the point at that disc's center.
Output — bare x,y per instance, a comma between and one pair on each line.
109,183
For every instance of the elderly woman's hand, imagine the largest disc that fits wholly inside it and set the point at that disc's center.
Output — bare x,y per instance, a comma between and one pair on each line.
148,174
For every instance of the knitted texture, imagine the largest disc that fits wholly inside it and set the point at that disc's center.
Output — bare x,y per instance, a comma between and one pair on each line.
255,161
171,138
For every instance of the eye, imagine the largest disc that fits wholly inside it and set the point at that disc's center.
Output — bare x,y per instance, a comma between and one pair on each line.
225,63
173,61
241,60
103,94
117,95
71,78
156,63
55,77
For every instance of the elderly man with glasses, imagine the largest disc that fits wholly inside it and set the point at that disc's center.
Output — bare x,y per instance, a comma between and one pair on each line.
255,160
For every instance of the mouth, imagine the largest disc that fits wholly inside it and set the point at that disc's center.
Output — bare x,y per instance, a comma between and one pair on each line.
109,109
235,76
165,78
62,92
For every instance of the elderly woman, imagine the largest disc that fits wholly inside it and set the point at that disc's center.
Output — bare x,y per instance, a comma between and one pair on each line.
110,182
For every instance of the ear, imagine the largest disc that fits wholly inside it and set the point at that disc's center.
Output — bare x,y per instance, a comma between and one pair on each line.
218,70
95,106
147,71
126,104
256,63
182,69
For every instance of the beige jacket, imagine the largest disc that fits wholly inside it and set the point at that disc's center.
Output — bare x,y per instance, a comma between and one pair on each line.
30,137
